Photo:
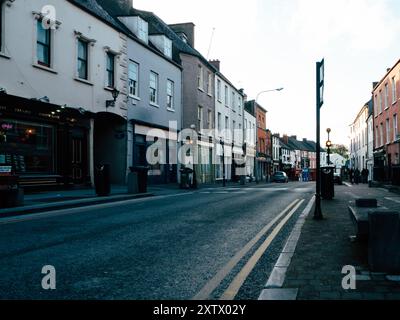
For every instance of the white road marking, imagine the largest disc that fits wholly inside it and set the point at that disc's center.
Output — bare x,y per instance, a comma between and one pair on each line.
347,184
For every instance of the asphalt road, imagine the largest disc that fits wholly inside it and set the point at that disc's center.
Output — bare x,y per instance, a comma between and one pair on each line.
165,247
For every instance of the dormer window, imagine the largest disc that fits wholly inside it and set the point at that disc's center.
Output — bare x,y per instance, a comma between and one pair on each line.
163,44
168,48
143,30
138,26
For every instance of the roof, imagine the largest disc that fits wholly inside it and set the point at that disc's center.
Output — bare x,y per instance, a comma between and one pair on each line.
93,7
110,10
305,145
252,104
385,76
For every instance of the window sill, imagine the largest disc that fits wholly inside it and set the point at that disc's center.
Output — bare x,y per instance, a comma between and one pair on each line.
109,88
135,98
201,89
84,81
51,70
4,55
210,95
170,110
154,105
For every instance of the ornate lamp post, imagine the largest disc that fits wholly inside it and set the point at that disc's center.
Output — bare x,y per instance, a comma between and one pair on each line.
328,146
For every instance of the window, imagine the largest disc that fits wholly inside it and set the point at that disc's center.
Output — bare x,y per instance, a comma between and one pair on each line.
153,87
170,95
381,134
376,106
83,59
240,105
168,47
219,122
387,131
226,96
209,119
43,45
143,29
386,96
380,102
133,79
200,78
209,87
200,117
219,90
233,101
395,128
110,70
27,146
394,93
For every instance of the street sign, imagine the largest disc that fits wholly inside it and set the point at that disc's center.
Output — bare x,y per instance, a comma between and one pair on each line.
321,81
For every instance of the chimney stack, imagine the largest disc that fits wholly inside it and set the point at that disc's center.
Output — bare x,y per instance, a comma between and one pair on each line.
216,64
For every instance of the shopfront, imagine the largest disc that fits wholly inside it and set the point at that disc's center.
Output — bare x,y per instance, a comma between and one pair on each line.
45,144
144,136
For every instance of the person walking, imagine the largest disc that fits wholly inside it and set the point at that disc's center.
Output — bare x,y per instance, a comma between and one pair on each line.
351,175
357,176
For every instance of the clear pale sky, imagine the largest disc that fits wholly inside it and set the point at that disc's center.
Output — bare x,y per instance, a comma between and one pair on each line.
266,44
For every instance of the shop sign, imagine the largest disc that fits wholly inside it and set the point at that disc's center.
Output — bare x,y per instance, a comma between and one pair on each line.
6,126
5,170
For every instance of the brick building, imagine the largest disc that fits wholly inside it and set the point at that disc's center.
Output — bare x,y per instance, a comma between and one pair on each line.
386,133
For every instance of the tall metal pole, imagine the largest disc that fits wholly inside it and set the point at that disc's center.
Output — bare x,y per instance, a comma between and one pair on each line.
223,164
318,211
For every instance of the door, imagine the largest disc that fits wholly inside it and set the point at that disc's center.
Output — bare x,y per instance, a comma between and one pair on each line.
77,163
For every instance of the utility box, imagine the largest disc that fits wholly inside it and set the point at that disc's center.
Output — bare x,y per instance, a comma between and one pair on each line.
384,241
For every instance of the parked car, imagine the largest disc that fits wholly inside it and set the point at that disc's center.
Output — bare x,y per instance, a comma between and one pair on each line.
337,178
280,176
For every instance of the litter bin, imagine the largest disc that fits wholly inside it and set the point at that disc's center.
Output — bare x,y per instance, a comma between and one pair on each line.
142,175
102,180
327,183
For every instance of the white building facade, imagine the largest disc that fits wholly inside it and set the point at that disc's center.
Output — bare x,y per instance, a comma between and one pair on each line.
60,63
229,120
359,140
250,136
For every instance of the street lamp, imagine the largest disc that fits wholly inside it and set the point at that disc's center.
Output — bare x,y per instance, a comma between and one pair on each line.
255,159
329,145
115,94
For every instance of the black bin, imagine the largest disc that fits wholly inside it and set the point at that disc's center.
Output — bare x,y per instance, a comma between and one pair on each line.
102,180
327,183
142,173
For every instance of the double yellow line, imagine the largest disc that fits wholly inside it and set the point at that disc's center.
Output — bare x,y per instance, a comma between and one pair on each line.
241,277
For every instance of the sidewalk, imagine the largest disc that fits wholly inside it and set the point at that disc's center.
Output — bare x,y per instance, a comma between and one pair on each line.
324,248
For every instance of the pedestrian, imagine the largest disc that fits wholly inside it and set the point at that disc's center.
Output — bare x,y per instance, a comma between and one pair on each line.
357,176
351,175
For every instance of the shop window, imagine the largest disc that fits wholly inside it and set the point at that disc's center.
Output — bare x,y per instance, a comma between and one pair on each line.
28,147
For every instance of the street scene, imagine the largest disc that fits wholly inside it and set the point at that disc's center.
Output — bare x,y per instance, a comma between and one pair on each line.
152,152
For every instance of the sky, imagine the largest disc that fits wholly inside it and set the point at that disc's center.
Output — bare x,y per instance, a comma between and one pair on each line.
268,44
